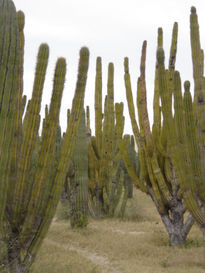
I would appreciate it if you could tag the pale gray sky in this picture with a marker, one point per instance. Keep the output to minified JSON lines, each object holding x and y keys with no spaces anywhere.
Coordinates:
{"x":111,"y":29}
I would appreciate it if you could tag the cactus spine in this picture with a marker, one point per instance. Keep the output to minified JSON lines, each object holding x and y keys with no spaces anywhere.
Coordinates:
{"x":28,"y":195}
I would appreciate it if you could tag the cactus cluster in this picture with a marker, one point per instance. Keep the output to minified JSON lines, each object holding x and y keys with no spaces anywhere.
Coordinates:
{"x":109,"y":184}
{"x":108,"y":179}
{"x":30,"y":188}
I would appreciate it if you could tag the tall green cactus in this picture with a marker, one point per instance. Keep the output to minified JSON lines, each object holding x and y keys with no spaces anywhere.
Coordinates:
{"x":8,"y":85}
{"x":29,"y":187}
{"x":79,"y":178}
{"x":157,"y":177}
{"x":185,"y":132}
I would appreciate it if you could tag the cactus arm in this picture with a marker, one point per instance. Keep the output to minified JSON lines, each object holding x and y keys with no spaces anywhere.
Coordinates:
{"x":156,"y":107}
{"x":8,"y":94}
{"x":180,"y":131}
{"x":173,"y":49}
{"x":131,"y":107}
{"x":196,"y":51}
{"x":160,"y":37}
{"x":142,"y":104}
{"x":192,"y":142}
{"x":47,"y":149}
{"x":199,"y":87}
{"x":18,"y":117}
{"x":172,"y":60}
{"x":30,"y":131}
{"x":108,"y":131}
{"x":157,"y":128}
{"x":137,"y":134}
{"x":98,"y":104}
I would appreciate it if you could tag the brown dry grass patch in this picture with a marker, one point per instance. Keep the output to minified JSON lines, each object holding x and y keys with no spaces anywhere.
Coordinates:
{"x":138,"y":243}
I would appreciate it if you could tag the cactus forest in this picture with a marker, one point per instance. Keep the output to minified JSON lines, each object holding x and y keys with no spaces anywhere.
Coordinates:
{"x":94,"y":175}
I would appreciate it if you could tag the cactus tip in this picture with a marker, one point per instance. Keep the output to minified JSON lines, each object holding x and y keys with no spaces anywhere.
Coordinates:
{"x":84,"y":51}
{"x":126,"y":64}
{"x":126,"y":60}
{"x":160,"y":30}
{"x":21,"y":20}
{"x":187,"y":86}
{"x":44,"y":46}
{"x":111,"y":66}
{"x":193,"y":10}
{"x":61,"y":61}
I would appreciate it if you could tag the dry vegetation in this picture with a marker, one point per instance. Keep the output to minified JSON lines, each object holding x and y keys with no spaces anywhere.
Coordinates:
{"x":138,"y":243}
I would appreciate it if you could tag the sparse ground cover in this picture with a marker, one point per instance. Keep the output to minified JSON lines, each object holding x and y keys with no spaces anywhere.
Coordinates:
{"x":139,"y":243}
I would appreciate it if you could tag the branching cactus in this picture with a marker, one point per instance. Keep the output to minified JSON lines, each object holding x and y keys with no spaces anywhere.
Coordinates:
{"x":105,"y":171}
{"x":185,"y":131}
{"x":157,"y":177}
{"x":28,"y":195}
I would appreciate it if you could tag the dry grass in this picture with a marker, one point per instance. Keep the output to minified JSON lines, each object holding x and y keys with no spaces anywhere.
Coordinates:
{"x":137,"y":244}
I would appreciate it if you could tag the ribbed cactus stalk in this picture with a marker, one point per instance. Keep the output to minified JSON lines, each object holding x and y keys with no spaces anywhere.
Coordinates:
{"x":9,"y":36}
{"x":33,"y":168}
{"x":129,"y":140}
{"x":157,"y":176}
{"x":79,"y":178}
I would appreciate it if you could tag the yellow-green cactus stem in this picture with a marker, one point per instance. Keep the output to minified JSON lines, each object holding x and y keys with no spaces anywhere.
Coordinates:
{"x":30,"y":131}
{"x":98,"y":104}
{"x":9,"y":36}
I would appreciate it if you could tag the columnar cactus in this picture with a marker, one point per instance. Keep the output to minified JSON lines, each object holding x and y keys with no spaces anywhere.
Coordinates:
{"x":185,"y":131}
{"x":157,"y":177}
{"x":78,"y":178}
{"x":29,"y":189}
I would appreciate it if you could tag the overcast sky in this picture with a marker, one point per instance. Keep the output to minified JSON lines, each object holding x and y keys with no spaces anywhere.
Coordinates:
{"x":112,"y":29}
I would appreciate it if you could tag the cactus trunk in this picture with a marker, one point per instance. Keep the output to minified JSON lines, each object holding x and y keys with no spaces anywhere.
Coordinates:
{"x":79,"y":178}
